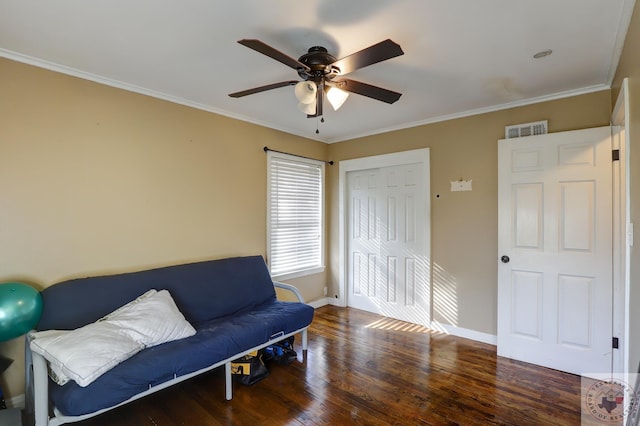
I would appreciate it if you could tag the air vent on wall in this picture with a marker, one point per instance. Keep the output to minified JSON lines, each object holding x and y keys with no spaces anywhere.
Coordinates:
{"x":526,"y":129}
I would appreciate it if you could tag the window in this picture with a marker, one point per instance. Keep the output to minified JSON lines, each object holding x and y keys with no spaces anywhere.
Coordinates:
{"x":295,"y":215}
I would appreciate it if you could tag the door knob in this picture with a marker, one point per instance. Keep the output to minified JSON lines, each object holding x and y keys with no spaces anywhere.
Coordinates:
{"x":504,"y":259}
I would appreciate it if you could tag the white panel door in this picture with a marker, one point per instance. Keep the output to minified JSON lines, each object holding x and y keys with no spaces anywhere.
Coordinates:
{"x":388,"y":270}
{"x":555,"y":250}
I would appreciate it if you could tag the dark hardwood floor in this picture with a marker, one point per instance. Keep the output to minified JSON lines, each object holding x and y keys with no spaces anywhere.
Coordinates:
{"x":365,"y":369}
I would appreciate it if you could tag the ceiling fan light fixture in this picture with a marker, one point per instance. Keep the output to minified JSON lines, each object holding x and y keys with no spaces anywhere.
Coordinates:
{"x":309,"y":109}
{"x":305,"y":92}
{"x":336,"y":97}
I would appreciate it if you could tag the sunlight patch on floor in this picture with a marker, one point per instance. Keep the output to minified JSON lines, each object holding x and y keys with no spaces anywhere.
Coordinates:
{"x":397,"y":325}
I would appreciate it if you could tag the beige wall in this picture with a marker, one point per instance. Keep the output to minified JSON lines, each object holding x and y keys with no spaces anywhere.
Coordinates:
{"x":97,"y":180}
{"x":629,"y":67}
{"x":464,"y":225}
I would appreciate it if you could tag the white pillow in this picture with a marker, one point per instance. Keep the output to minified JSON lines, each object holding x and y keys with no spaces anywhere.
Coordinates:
{"x":84,"y":354}
{"x":151,"y":319}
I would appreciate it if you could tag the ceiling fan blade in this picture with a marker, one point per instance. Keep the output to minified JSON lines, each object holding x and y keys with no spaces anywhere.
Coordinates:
{"x":265,"y":49}
{"x":379,"y":52}
{"x":263,"y":88}
{"x":364,"y":89}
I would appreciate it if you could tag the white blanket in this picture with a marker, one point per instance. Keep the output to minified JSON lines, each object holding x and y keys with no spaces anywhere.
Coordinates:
{"x":84,"y":354}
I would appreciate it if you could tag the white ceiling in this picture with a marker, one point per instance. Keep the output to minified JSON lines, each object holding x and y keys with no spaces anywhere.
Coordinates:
{"x":461,"y":56}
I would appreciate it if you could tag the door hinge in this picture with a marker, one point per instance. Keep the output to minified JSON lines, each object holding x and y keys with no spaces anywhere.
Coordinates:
{"x":615,"y":343}
{"x":615,"y":155}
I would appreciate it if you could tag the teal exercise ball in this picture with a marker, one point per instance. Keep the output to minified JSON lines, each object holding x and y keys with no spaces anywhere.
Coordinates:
{"x":20,"y":309}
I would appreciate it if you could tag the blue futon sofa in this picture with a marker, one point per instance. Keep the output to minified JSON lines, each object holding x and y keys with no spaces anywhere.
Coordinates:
{"x":231,"y":304}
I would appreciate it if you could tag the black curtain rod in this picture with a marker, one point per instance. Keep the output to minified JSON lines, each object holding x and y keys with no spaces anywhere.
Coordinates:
{"x":266,"y":148}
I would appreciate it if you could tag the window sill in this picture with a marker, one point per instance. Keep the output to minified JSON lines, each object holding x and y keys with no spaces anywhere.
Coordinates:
{"x":298,"y":274}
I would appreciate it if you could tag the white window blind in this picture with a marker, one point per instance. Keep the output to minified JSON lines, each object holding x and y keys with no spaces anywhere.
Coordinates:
{"x":295,"y":215}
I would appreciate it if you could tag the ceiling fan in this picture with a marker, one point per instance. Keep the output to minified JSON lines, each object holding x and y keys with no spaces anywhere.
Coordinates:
{"x":321,"y":75}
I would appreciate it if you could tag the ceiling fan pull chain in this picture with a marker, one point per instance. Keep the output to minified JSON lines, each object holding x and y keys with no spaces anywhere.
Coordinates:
{"x":317,"y":125}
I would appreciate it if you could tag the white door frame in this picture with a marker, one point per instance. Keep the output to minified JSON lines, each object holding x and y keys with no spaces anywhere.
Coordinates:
{"x":377,"y":161}
{"x":621,"y":218}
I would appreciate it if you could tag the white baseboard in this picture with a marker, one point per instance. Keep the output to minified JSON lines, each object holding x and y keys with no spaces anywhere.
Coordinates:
{"x":326,"y":301}
{"x":435,"y":325}
{"x":320,"y":302}
{"x":337,"y":302}
{"x":466,"y":333}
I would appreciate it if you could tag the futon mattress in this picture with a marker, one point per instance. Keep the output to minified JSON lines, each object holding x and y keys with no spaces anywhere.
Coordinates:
{"x":214,"y":341}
